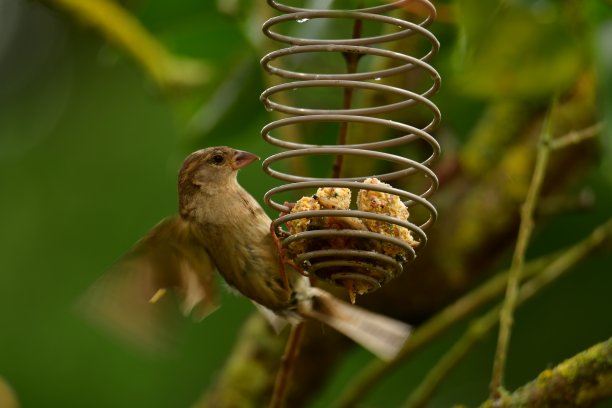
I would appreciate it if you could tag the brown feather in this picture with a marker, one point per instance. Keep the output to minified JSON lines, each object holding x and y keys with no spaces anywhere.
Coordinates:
{"x":169,"y":259}
{"x":222,"y":225}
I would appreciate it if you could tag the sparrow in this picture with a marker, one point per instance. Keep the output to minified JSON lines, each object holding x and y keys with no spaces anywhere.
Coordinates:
{"x":221,"y":227}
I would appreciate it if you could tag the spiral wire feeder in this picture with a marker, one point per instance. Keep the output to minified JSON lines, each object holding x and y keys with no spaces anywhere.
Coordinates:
{"x":369,"y":267}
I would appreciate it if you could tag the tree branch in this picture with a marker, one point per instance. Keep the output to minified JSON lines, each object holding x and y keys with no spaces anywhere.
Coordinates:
{"x":580,"y":381}
{"x":287,"y":363}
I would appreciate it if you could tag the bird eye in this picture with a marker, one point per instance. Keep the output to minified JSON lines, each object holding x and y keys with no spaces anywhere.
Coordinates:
{"x":217,"y":159}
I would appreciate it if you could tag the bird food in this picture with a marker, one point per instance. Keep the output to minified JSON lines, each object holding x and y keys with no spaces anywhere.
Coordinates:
{"x":362,"y":277}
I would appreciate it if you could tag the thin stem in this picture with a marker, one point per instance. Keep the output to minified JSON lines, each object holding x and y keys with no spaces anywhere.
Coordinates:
{"x":518,"y":259}
{"x":475,"y":332}
{"x":352,"y":61}
{"x":481,"y":326}
{"x":433,"y":328}
{"x":287,"y":364}
{"x":576,"y":136}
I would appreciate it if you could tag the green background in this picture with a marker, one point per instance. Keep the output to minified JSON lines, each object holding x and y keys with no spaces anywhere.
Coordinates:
{"x":89,"y":151}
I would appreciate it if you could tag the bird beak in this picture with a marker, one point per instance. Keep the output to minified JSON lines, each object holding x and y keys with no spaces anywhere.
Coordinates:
{"x":242,"y":159}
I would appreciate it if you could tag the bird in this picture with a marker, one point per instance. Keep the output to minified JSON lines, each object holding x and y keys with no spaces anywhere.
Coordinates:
{"x":221,"y":227}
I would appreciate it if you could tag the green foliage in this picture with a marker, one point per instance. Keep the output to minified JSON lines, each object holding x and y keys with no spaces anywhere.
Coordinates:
{"x":90,"y":148}
{"x":527,"y":51}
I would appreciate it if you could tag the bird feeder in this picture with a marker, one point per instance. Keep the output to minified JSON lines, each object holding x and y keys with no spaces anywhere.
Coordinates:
{"x":344,"y":84}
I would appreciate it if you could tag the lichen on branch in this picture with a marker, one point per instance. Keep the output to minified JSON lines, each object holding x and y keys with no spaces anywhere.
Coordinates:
{"x":580,"y":381}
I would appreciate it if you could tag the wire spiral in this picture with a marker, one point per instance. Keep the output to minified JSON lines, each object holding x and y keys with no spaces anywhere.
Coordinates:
{"x":358,"y":263}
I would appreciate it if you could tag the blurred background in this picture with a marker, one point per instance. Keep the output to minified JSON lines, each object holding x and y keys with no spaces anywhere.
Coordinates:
{"x":91,"y":140}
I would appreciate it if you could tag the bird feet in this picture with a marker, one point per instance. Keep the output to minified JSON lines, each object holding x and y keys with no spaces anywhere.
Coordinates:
{"x":282,"y":252}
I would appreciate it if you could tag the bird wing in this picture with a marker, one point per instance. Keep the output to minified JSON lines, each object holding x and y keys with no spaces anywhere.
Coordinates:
{"x":136,"y":298}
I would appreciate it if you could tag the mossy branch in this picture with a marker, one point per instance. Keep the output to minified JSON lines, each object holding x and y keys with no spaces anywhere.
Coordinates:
{"x":580,"y":381}
{"x":119,"y":27}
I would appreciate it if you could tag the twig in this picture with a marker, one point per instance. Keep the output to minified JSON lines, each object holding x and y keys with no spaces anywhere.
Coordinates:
{"x":433,"y":328}
{"x":476,"y":331}
{"x":576,"y":136}
{"x":352,"y":60}
{"x":480,"y":327}
{"x":452,"y":314}
{"x":287,"y":364}
{"x":580,"y":381}
{"x":518,"y":259}
{"x":119,"y":27}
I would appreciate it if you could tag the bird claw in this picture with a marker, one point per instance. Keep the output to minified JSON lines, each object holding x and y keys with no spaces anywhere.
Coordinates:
{"x":282,"y":257}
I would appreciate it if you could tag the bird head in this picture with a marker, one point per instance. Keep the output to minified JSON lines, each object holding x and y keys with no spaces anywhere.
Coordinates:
{"x":213,"y":165}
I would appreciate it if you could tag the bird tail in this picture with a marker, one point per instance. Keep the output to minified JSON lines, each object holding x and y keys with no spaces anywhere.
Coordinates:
{"x":379,"y":334}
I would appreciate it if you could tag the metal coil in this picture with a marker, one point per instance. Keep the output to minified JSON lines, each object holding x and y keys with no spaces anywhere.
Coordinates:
{"x":359,"y":264}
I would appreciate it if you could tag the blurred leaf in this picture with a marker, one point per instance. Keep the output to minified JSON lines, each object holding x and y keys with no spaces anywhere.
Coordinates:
{"x":511,"y":51}
{"x":7,"y":396}
{"x":120,"y":27}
